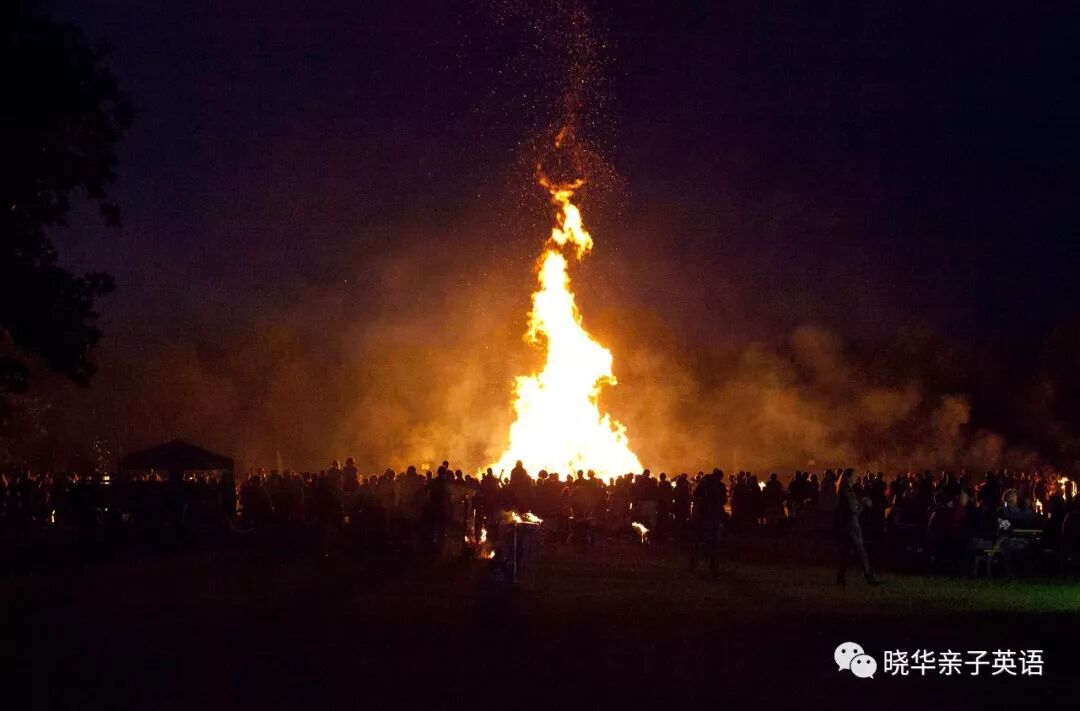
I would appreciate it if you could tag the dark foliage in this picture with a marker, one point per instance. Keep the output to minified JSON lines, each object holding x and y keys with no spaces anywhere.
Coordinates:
{"x":61,"y":116}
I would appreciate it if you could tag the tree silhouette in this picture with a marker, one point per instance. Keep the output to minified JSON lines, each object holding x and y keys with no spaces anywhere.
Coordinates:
{"x":61,"y":115}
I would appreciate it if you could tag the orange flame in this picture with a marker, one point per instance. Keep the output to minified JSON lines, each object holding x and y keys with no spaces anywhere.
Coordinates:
{"x":559,"y":426}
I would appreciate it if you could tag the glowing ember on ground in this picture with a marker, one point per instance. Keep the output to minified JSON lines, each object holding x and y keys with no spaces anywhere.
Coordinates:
{"x":559,"y":426}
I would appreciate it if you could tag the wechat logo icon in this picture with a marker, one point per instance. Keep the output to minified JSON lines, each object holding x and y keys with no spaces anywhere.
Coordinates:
{"x":850,"y":656}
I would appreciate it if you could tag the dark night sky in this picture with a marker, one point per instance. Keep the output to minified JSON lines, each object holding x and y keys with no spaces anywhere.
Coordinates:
{"x":787,"y":162}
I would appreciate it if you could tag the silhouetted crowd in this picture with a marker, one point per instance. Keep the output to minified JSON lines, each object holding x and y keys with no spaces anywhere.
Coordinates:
{"x":942,"y":521}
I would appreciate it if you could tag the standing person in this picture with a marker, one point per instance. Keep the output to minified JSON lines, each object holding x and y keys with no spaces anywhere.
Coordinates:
{"x":227,"y":491}
{"x":848,"y":530}
{"x":682,"y":503}
{"x":645,"y":495}
{"x":774,"y":496}
{"x":350,"y":485}
{"x":707,"y":519}
{"x":437,"y":511}
{"x":487,"y":504}
{"x":665,"y":497}
{"x":520,"y":489}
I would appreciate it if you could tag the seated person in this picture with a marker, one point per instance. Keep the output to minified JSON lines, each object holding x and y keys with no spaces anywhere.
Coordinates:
{"x":984,"y":527}
{"x":1014,"y":513}
{"x":1027,"y":505}
{"x":962,"y":523}
{"x":1011,"y":516}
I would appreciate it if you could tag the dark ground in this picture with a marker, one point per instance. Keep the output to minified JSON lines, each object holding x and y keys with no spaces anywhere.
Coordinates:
{"x":246,"y":625}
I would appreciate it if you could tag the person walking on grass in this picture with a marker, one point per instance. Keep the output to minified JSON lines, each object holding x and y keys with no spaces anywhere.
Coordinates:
{"x":849,"y":531}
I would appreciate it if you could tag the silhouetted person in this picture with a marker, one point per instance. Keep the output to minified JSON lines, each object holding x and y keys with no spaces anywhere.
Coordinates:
{"x":962,"y":526}
{"x":848,"y":529}
{"x":487,"y":503}
{"x":774,"y":495}
{"x":350,"y":484}
{"x":707,"y":519}
{"x":665,"y":495}
{"x":227,"y":492}
{"x":521,"y":488}
{"x":644,"y":494}
{"x":438,"y":509}
{"x":681,"y":506}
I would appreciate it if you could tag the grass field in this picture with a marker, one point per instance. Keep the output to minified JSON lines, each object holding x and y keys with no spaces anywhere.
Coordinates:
{"x":247,"y":625}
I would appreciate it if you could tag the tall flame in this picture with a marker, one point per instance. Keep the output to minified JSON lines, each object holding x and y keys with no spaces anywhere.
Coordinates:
{"x":559,"y":426}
